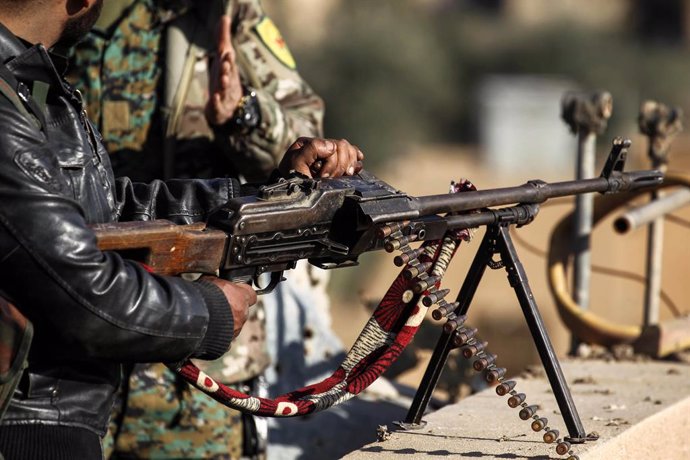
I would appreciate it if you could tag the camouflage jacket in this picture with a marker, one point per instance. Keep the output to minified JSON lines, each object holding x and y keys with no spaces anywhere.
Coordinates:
{"x":289,"y":107}
{"x":158,"y":59}
{"x":145,"y":79}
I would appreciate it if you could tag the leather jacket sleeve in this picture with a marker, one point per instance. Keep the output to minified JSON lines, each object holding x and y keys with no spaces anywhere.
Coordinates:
{"x":82,"y":301}
{"x":183,"y":201}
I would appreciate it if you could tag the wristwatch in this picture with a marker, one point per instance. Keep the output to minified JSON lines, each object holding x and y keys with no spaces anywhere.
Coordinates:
{"x":247,"y":115}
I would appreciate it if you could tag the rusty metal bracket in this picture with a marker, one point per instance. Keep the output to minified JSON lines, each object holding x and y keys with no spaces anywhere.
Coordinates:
{"x":586,"y":112}
{"x":660,"y":123}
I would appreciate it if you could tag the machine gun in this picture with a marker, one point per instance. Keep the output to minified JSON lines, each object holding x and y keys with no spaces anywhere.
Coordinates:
{"x":331,"y":223}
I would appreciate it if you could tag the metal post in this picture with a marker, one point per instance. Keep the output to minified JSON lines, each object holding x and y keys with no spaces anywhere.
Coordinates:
{"x":587,"y":115}
{"x":584,"y":207}
{"x":660,"y":124}
{"x":655,"y":248}
{"x":643,"y":215}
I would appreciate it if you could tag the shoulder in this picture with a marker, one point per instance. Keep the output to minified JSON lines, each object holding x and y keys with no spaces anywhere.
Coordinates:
{"x":20,"y":130}
{"x":262,"y":41}
{"x":27,"y":159}
{"x":16,"y":121}
{"x":13,"y":105}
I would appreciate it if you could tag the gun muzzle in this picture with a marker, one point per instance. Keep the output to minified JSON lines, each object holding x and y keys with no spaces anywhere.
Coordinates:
{"x":644,"y":179}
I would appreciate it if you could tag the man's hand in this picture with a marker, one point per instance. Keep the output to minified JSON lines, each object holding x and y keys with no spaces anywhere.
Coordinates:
{"x":240,"y":296}
{"x":322,"y":158}
{"x":226,"y":88}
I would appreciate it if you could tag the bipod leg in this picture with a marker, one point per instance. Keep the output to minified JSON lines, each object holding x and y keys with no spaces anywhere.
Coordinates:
{"x":413,"y":420}
{"x":518,"y":281}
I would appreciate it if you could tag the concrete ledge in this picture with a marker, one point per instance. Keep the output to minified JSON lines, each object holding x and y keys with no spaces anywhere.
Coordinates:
{"x":640,"y":410}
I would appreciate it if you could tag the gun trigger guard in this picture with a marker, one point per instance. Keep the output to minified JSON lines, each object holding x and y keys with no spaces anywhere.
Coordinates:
{"x":276,"y":277}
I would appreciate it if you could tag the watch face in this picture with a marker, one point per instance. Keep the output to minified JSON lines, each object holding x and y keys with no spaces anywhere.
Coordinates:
{"x":251,"y":112}
{"x":247,"y":115}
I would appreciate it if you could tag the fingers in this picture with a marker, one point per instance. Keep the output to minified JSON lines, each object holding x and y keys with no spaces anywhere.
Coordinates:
{"x":299,"y":143}
{"x":334,"y":165}
{"x":246,"y":293}
{"x":240,"y":296}
{"x":321,"y":149}
{"x":224,"y":39}
{"x":303,"y":153}
{"x":225,"y":72}
{"x":226,"y":55}
{"x":317,"y":157}
{"x":225,"y":52}
{"x":345,"y":160}
{"x":224,"y":79}
{"x":359,"y":166}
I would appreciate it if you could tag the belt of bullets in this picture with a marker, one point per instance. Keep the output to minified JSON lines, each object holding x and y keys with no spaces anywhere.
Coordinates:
{"x":427,"y":279}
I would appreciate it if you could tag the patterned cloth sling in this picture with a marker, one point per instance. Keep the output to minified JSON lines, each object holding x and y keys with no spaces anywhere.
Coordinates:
{"x":392,"y":326}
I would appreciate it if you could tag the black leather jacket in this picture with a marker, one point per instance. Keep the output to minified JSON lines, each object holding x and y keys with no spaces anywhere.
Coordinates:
{"x":91,"y":310}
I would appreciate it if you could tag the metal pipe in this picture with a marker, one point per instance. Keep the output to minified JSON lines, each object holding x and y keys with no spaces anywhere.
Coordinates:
{"x":660,"y":124}
{"x":586,"y":150}
{"x":642,"y":215}
{"x":587,"y":115}
{"x":655,"y":249}
{"x":517,"y":215}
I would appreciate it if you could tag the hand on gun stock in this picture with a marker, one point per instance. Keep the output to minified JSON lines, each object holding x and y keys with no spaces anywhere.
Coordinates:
{"x":240,"y":296}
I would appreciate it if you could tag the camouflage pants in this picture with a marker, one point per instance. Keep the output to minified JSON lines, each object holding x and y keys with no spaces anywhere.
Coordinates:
{"x":161,"y":417}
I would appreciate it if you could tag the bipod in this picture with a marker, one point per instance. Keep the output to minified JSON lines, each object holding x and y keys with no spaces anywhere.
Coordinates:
{"x":497,"y":241}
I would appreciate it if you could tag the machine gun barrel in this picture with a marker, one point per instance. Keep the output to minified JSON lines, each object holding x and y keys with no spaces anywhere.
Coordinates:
{"x":534,"y":192}
{"x":611,"y":180}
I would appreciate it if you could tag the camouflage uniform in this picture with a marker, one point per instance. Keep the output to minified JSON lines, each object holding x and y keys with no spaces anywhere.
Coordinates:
{"x":144,"y":72}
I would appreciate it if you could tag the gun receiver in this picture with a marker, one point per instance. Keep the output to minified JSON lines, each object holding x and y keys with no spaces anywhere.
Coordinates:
{"x":331,"y":222}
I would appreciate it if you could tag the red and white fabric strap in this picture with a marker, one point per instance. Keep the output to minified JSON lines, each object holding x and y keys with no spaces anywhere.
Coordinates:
{"x":391,"y":327}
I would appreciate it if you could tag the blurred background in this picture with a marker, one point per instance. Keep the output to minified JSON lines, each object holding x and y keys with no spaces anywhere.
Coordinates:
{"x":400,"y":72}
{"x":435,"y":90}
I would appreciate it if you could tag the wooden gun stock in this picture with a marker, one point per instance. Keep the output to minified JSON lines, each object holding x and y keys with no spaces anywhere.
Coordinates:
{"x":167,"y":248}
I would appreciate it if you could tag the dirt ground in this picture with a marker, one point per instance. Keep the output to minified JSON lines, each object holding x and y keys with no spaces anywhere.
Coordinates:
{"x":495,"y":310}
